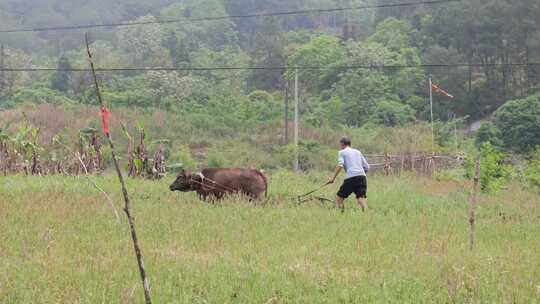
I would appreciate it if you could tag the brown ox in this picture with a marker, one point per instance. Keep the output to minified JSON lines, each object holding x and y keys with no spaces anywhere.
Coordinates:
{"x":216,"y":183}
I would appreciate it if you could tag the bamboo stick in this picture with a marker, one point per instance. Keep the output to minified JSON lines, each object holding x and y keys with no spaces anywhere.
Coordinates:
{"x":127,"y":208}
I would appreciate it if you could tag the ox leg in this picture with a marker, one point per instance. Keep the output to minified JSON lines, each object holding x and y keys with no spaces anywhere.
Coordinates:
{"x":203,"y":196}
{"x":253,"y":197}
{"x":220,"y":196}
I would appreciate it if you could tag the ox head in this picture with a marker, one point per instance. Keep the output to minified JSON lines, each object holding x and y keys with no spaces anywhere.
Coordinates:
{"x":185,"y":182}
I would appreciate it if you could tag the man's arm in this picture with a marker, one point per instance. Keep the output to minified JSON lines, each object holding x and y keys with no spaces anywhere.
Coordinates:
{"x":340,"y":166}
{"x":365,"y":164}
{"x":333,"y":178}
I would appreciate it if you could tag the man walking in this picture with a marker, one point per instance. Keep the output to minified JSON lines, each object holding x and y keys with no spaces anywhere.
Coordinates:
{"x":356,"y":168}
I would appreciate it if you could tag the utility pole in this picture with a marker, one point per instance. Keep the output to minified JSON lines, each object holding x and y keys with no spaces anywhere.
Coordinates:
{"x":296,"y":120}
{"x":432,"y":120}
{"x":287,"y":112}
{"x":456,"y":134}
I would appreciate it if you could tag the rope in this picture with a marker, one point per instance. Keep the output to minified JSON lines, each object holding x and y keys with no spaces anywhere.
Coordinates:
{"x":301,"y":198}
{"x":313,"y":191}
{"x":214,"y":186}
{"x":319,"y":198}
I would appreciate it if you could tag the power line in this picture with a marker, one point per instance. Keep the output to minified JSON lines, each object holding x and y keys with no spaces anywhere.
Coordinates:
{"x":217,"y":18}
{"x":236,"y":68}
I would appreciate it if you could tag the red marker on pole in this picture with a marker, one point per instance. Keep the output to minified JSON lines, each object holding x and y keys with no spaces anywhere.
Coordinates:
{"x":105,"y":117}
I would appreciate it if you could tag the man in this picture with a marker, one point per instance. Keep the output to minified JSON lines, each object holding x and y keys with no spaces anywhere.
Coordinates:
{"x":356,"y":167}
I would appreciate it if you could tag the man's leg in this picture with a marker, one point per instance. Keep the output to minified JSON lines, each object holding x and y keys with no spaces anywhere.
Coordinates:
{"x":361,"y":193}
{"x":340,"y":203}
{"x":362,"y":201}
{"x":342,"y":194}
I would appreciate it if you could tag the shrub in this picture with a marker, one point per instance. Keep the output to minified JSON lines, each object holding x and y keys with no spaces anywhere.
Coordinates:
{"x":445,"y":132}
{"x":519,"y":123}
{"x":328,"y":112}
{"x":41,"y":95}
{"x":183,"y":156}
{"x":532,"y":173}
{"x":261,"y":96}
{"x":216,"y":160}
{"x":314,"y":156}
{"x":489,"y":133}
{"x":311,"y":156}
{"x":493,"y":173}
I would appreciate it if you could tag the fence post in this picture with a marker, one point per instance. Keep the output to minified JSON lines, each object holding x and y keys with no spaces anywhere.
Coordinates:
{"x":474,"y":198}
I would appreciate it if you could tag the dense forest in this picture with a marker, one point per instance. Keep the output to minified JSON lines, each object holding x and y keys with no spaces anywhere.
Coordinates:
{"x":484,"y":52}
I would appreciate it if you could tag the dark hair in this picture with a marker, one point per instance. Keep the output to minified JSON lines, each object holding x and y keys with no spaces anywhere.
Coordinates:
{"x":346,"y":141}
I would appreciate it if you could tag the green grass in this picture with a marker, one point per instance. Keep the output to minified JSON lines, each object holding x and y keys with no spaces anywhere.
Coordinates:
{"x":60,"y":243}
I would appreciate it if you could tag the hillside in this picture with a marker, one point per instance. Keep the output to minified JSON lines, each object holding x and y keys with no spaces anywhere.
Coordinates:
{"x":420,"y":36}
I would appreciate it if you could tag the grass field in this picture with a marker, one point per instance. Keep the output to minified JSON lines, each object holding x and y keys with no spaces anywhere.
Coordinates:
{"x":60,"y":243}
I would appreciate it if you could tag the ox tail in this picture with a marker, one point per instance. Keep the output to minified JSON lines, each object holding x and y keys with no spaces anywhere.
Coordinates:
{"x":265,"y":182}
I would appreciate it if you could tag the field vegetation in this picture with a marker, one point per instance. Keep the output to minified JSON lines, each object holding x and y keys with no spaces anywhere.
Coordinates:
{"x":225,"y":100}
{"x":61,"y":243}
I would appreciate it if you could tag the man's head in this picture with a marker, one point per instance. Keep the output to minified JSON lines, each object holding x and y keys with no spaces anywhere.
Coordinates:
{"x":345,"y":142}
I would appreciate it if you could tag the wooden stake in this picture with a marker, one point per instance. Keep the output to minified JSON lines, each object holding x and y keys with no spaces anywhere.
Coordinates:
{"x":127,"y":208}
{"x":474,"y":197}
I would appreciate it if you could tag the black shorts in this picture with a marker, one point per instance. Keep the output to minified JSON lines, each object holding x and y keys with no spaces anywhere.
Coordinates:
{"x":356,"y":185}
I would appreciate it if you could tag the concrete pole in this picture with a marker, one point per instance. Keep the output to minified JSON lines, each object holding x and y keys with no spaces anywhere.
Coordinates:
{"x":2,"y":73}
{"x":432,"y":120}
{"x":287,"y":112}
{"x":456,"y":134}
{"x":296,"y":164}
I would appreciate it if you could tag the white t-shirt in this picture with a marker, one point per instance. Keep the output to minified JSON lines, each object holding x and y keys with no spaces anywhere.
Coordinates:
{"x":354,"y":163}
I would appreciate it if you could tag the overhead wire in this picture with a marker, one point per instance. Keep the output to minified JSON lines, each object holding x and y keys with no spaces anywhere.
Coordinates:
{"x":229,"y":68}
{"x":225,"y":17}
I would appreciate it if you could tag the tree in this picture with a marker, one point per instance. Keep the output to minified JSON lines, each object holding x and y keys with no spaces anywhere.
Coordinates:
{"x":178,"y":50}
{"x":325,"y":112}
{"x":391,"y":114}
{"x":519,"y":122}
{"x":488,"y":32}
{"x":268,"y":52}
{"x":233,"y":80}
{"x":61,"y":80}
{"x":394,"y":34}
{"x":323,"y":51}
{"x":453,"y":81}
{"x":361,"y":89}
{"x":215,"y":35}
{"x":145,"y":43}
{"x":170,"y":86}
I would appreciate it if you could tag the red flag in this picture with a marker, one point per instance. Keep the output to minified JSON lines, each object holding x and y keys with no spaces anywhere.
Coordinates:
{"x":436,"y":89}
{"x":105,"y":117}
